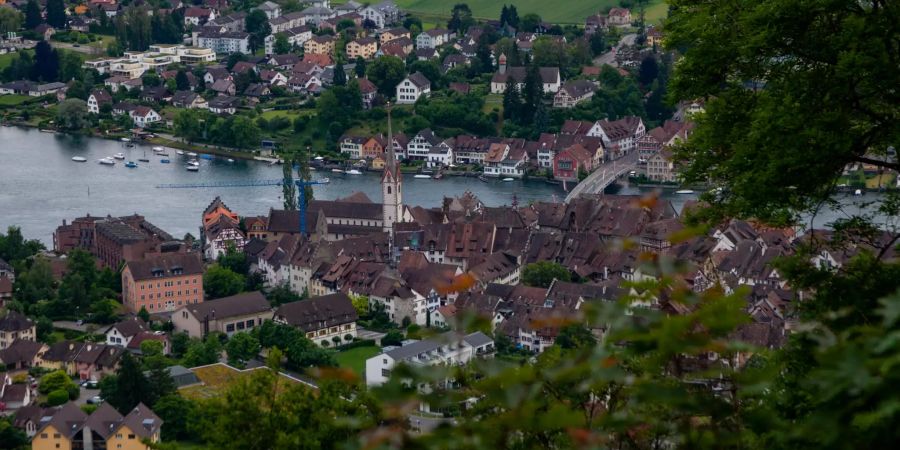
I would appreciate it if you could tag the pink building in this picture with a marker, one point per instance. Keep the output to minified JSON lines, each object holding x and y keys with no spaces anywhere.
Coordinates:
{"x":163,"y":283}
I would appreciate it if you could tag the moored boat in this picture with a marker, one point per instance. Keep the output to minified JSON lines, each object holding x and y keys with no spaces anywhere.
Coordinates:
{"x":423,"y":176}
{"x":354,"y":172}
{"x":79,"y":159}
{"x":119,"y":156}
{"x":164,"y":161}
{"x":684,"y":191}
{"x":179,"y":152}
{"x":143,"y":160}
{"x":191,"y":154}
{"x":130,"y":164}
{"x":191,"y":168}
{"x":107,"y":161}
{"x":509,"y":179}
{"x":337,"y":170}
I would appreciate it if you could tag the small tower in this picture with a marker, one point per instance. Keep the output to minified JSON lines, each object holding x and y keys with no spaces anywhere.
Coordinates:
{"x":391,"y":184}
{"x":501,"y":63}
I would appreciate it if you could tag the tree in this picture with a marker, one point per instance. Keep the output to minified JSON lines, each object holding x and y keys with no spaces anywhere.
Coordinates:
{"x":460,"y":18}
{"x":56,"y":381}
{"x":144,"y":315}
{"x":32,"y":14}
{"x":187,"y":125}
{"x":220,"y":282}
{"x":257,"y":24}
{"x":288,"y":188}
{"x":542,"y":274}
{"x":282,"y":45}
{"x":282,"y":294}
{"x":360,"y":304}
{"x":56,"y":14}
{"x":151,"y":79}
{"x":575,"y":336}
{"x":245,"y":133}
{"x":10,"y":436}
{"x":205,"y":352}
{"x":234,"y":260}
{"x":392,"y":338}
{"x":14,"y":248}
{"x":76,"y":90}
{"x":777,"y":81}
{"x":649,"y":70}
{"x":340,"y":77}
{"x":131,"y":386}
{"x":512,"y":103}
{"x":58,"y":397}
{"x":46,"y":63}
{"x":177,"y":412}
{"x":598,"y":43}
{"x":182,"y":82}
{"x":360,"y":67}
{"x":241,"y":347}
{"x":509,"y":16}
{"x":530,"y":22}
{"x":179,"y":343}
{"x":10,"y":20}
{"x":72,"y":114}
{"x":386,"y":73}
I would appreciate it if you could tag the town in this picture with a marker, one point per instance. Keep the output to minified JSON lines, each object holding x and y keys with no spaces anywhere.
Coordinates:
{"x":323,"y":320}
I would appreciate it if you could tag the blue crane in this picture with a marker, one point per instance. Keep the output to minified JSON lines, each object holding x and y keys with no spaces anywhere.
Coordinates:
{"x":301,"y":185}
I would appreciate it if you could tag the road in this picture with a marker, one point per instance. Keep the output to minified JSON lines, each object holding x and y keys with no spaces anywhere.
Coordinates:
{"x":604,"y":175}
{"x":81,"y":48}
{"x":610,"y":56}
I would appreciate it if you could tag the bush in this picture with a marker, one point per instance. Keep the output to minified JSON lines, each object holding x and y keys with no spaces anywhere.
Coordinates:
{"x":355,"y":344}
{"x":88,"y":408}
{"x":74,"y":392}
{"x":57,"y":397}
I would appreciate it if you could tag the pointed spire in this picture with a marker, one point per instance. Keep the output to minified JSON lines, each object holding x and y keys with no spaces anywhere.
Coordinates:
{"x":391,"y":159}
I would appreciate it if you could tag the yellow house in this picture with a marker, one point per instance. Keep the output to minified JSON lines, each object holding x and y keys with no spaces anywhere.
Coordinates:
{"x":394,"y":33}
{"x":362,"y":47}
{"x":320,"y":45}
{"x":70,"y":428}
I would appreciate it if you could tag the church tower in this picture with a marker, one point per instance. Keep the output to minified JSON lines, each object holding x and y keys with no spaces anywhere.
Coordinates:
{"x":391,"y":183}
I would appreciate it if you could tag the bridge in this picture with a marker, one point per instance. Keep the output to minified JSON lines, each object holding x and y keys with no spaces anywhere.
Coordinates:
{"x":605,"y":175}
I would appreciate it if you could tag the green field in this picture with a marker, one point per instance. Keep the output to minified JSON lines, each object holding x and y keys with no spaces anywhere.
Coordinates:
{"x":565,"y":11}
{"x":355,"y":358}
{"x":13,"y":100}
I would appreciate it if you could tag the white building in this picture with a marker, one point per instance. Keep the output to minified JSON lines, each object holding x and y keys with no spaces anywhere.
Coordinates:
{"x":412,"y":87}
{"x":352,"y":146}
{"x":433,"y":38}
{"x":382,"y":14}
{"x":420,"y":146}
{"x":446,"y":349}
{"x":296,"y":36}
{"x":272,"y":10}
{"x":144,"y":116}
{"x":228,"y":42}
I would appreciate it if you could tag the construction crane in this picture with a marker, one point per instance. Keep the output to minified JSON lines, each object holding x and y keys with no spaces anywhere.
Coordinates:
{"x":301,"y":188}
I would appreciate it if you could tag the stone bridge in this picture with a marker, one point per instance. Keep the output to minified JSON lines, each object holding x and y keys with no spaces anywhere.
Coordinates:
{"x":605,"y":175}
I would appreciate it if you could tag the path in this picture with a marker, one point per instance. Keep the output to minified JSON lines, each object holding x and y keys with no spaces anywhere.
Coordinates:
{"x":610,"y":56}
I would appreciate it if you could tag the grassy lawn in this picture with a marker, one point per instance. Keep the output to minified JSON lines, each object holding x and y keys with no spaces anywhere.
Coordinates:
{"x":217,"y":378}
{"x":355,"y":358}
{"x":290,"y":114}
{"x":13,"y":100}
{"x":885,"y":179}
{"x":8,"y":58}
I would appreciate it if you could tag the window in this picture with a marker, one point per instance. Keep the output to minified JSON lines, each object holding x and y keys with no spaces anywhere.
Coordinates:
{"x":44,"y":435}
{"x":240,"y":325}
{"x":250,"y":323}
{"x":130,"y":436}
{"x":229,"y":328}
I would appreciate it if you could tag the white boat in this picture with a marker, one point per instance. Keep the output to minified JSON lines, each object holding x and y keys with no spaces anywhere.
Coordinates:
{"x":354,"y":172}
{"x":323,"y":181}
{"x":319,"y":158}
{"x":684,"y":191}
{"x":107,"y":161}
{"x":230,"y":160}
{"x":119,"y":156}
{"x":158,"y":149}
{"x":192,"y":154}
{"x":421,"y":176}
{"x":337,"y":170}
{"x":79,"y":159}
{"x":509,"y":179}
{"x":179,"y":152}
{"x":191,"y":168}
{"x":126,"y":140}
{"x":857,"y":192}
{"x":194,"y":163}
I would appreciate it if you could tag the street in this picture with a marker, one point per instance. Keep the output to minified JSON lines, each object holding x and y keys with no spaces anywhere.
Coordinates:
{"x":610,"y":56}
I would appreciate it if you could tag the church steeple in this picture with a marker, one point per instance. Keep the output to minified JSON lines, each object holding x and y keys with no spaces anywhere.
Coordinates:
{"x":391,"y":183}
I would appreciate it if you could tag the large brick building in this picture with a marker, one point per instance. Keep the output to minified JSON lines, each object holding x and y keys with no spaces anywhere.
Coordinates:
{"x":115,"y":240}
{"x":163,"y":282}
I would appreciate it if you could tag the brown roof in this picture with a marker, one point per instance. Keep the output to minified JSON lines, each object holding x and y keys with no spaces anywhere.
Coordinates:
{"x":20,"y":351}
{"x":166,"y":265}
{"x":68,"y":420}
{"x":318,"y":312}
{"x":15,"y":321}
{"x":104,"y":420}
{"x":130,"y":327}
{"x":142,"y":421}
{"x":234,"y":306}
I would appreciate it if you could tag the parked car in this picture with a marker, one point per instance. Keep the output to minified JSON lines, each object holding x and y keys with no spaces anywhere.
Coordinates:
{"x":90,"y":384}
{"x":95,"y":400}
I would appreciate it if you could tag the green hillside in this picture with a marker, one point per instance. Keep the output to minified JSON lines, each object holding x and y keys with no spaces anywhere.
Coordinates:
{"x":560,"y":11}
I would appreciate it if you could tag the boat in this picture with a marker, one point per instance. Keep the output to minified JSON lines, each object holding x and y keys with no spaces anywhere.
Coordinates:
{"x":858,"y":192}
{"x":319,"y":158}
{"x":143,"y":160}
{"x":209,"y":157}
{"x":158,"y":149}
{"x":119,"y":156}
{"x":79,"y":159}
{"x":179,"y":152}
{"x":684,"y":191}
{"x":482,"y":179}
{"x":107,"y":161}
{"x":194,"y":163}
{"x":191,"y":154}
{"x":164,"y":161}
{"x":509,"y":179}
{"x":337,"y":170}
{"x":354,"y":172}
{"x":129,"y":145}
{"x":125,"y":140}
{"x":323,"y":181}
{"x":421,"y":176}
{"x":230,"y":160}
{"x":130,"y":164}
{"x":438,"y":175}
{"x":192,"y":168}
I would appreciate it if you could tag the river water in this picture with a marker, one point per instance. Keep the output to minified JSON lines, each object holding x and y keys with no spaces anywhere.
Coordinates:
{"x":40,"y":185}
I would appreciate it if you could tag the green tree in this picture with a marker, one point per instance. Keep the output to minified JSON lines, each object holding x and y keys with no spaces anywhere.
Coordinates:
{"x":240,"y":348}
{"x":10,"y":20}
{"x":57,"y":397}
{"x":10,"y":436}
{"x":282,"y":294}
{"x":56,"y":14}
{"x":648,"y":70}
{"x":542,"y":273}
{"x":14,"y":248}
{"x":360,"y":304}
{"x":46,"y":63}
{"x":55,"y":381}
{"x":187,"y":125}
{"x":777,"y":81}
{"x":177,"y":413}
{"x":245,"y":133}
{"x":131,"y":386}
{"x":257,"y":24}
{"x":575,"y":336}
{"x":205,"y":352}
{"x":460,"y":18}
{"x":32,"y":14}
{"x":235,"y":260}
{"x":386,"y":73}
{"x":182,"y":83}
{"x":179,"y":344}
{"x":220,"y":282}
{"x":340,"y":77}
{"x":360,"y":67}
{"x":144,"y":315}
{"x":72,"y":114}
{"x":282,"y":45}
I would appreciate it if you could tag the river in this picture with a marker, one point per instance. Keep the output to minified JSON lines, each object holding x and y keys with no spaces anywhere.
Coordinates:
{"x":40,"y":185}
